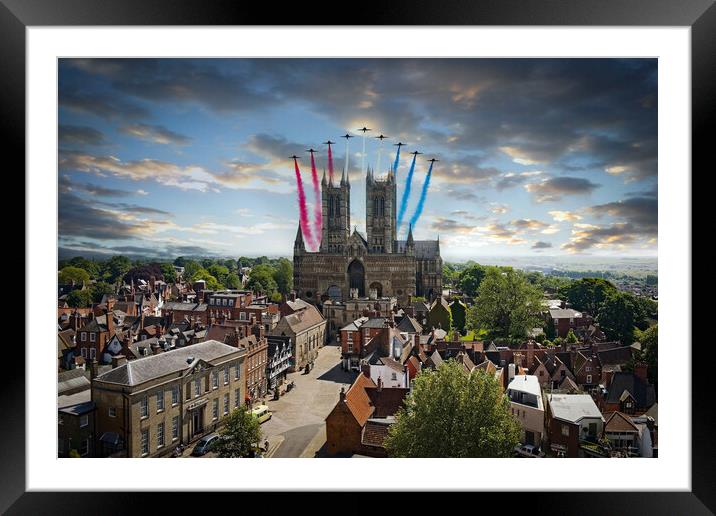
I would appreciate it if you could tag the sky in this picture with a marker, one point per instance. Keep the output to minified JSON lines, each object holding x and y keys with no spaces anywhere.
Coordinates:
{"x":537,"y":157}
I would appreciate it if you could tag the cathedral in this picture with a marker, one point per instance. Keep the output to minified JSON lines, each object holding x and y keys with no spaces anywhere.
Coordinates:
{"x":349,"y":265}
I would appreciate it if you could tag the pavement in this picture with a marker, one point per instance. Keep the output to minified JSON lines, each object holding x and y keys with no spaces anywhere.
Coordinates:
{"x":297,"y":427}
{"x":299,"y":415}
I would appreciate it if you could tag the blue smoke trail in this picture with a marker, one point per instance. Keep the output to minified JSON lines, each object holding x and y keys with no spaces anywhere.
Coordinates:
{"x":397,"y":159}
{"x":423,"y":194}
{"x":406,"y":192}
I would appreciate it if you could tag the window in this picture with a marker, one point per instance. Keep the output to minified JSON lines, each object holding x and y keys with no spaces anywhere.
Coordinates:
{"x":226,"y":375}
{"x":226,"y":403}
{"x":144,"y":442}
{"x":93,"y":337}
{"x":93,"y":352}
{"x":84,"y":447}
{"x":587,"y":369}
{"x":175,"y":428}
{"x":143,"y":407}
{"x":215,"y":409}
{"x":160,"y":435}
{"x":242,"y":316}
{"x":215,"y":379}
{"x":589,"y":378}
{"x":237,"y":372}
{"x":112,"y":412}
{"x":84,"y":351}
{"x":175,"y":395}
{"x":197,"y":387}
{"x":237,"y":398}
{"x":83,"y":337}
{"x":394,"y":376}
{"x":160,"y":401}
{"x":188,"y":391}
{"x":565,"y":430}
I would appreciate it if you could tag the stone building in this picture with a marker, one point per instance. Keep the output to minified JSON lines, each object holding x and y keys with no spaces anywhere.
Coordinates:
{"x":307,"y":329}
{"x":146,"y":407}
{"x":349,"y":265}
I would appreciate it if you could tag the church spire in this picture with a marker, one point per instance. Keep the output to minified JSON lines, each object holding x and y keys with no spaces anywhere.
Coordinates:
{"x":323,"y":181}
{"x":298,"y":243}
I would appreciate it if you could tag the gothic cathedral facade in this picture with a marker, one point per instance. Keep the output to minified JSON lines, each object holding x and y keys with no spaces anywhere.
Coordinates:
{"x":348,"y":265}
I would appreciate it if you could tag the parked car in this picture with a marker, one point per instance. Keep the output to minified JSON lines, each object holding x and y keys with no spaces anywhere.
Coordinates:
{"x":528,"y":450}
{"x":261,"y":412}
{"x":204,"y":445}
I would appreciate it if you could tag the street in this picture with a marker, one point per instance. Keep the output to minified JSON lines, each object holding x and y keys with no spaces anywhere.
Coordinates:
{"x":298,"y":420}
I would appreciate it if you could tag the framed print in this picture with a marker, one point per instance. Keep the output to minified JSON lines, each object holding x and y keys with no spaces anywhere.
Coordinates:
{"x":431,"y":238}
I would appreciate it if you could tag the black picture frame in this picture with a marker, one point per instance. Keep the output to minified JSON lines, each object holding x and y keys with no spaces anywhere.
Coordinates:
{"x":700,"y":15}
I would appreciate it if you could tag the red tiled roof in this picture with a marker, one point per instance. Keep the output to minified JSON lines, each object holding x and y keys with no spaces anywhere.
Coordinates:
{"x":618,"y":422}
{"x":357,"y":399}
{"x":374,"y":434}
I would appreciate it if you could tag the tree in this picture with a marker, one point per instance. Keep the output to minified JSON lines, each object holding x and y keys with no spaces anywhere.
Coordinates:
{"x":439,"y":315}
{"x":115,"y":268}
{"x":232,"y":280}
{"x":283,"y":276}
{"x":170,"y":275}
{"x":211,"y":282}
{"x":145,"y":271}
{"x":470,"y":278}
{"x":649,"y":353}
{"x":73,"y":276}
{"x":191,"y":267}
{"x":99,"y":289}
{"x":261,"y":279}
{"x":452,"y":413}
{"x":458,"y":310}
{"x":588,"y":294}
{"x":618,"y":316}
{"x":506,"y":305}
{"x":220,"y":272}
{"x":79,"y":299}
{"x":450,"y":275}
{"x":571,"y":337}
{"x":239,"y":436}
{"x":83,"y":263}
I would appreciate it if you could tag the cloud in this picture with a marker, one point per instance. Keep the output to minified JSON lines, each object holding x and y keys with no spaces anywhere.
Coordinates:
{"x":512,"y":179}
{"x":555,"y":188}
{"x":534,"y":225}
{"x":541,"y":245}
{"x":155,"y":134}
{"x":65,"y":184}
{"x":565,"y":216}
{"x":110,"y":107}
{"x":499,"y":209}
{"x":640,"y":212}
{"x":450,"y":225}
{"x":80,"y":135}
{"x":587,"y":236}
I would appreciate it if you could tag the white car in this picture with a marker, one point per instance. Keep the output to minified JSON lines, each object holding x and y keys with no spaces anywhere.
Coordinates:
{"x":527,"y":450}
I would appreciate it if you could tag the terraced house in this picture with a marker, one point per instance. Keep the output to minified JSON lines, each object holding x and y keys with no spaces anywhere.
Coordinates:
{"x":146,"y":407}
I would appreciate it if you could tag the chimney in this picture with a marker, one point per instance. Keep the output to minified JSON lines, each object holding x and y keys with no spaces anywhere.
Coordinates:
{"x":292,"y":296}
{"x":640,"y":371}
{"x":110,"y":322}
{"x":258,"y":330}
{"x":530,"y":353}
{"x":608,"y":375}
{"x":380,"y":384}
{"x":141,"y":320}
{"x":110,"y":303}
{"x":156,"y":348}
{"x":342,"y":394}
{"x":365,"y":369}
{"x":94,"y":369}
{"x":118,"y":360}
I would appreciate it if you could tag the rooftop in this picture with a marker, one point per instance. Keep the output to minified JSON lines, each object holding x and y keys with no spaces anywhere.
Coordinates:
{"x":573,"y":407}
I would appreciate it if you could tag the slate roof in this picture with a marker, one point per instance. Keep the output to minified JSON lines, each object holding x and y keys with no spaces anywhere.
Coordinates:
{"x":137,"y":372}
{"x":615,"y":356}
{"x":375,"y":431}
{"x":72,"y":381}
{"x":618,"y":422}
{"x":564,"y":313}
{"x":375,"y":323}
{"x":76,"y":404}
{"x":642,"y":392}
{"x":187,"y":307}
{"x":573,"y":407}
{"x":424,"y":249}
{"x":304,"y":319}
{"x":409,"y":325}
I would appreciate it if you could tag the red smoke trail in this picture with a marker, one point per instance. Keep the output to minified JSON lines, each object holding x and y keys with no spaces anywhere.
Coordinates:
{"x":330,"y":165}
{"x":317,"y":207}
{"x":303,"y":211}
